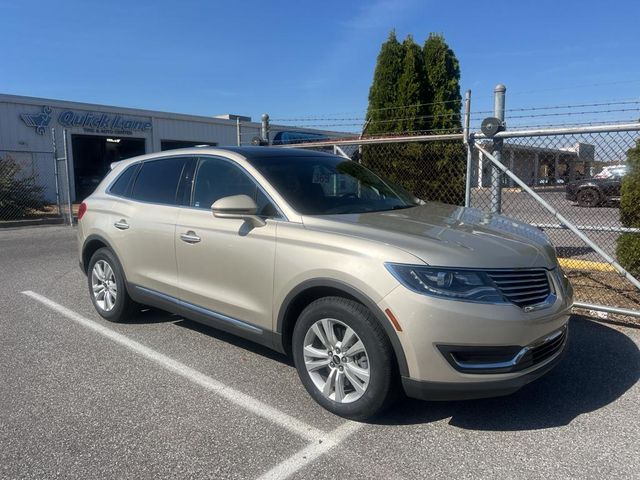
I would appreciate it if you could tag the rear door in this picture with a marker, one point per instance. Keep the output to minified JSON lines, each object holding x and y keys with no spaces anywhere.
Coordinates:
{"x":144,"y":223}
{"x":225,"y":266}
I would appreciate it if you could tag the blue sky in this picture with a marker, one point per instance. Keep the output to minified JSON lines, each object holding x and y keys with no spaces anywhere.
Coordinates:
{"x":299,"y":59}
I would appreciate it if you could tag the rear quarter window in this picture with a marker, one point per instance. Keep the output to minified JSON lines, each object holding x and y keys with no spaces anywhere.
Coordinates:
{"x":121,"y":186}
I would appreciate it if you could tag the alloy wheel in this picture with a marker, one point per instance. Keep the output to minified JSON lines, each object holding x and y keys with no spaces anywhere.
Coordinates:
{"x":103,"y":285}
{"x":336,"y":360}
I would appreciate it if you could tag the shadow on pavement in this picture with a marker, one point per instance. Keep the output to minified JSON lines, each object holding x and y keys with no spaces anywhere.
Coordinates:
{"x":235,"y":340}
{"x":599,"y":366}
{"x":152,"y":315}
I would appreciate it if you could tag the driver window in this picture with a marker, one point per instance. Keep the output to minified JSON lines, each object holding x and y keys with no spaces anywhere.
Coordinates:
{"x":217,"y":178}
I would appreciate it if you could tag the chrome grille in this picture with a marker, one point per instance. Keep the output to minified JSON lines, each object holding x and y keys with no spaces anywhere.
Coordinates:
{"x":522,"y":287}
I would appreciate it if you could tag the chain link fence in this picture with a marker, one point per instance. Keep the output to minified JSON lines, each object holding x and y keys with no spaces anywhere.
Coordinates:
{"x":27,"y":187}
{"x":563,"y":180}
{"x":577,"y":174}
{"x":34,"y":187}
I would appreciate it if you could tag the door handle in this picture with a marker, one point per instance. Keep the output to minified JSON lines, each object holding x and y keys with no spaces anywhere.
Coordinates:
{"x":121,"y":225}
{"x":189,"y":237}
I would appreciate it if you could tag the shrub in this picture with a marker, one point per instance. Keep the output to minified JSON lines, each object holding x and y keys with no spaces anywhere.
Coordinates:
{"x":628,"y":252}
{"x":19,"y":194}
{"x":628,"y":245}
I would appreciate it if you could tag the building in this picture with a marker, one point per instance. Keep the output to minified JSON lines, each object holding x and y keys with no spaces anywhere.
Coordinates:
{"x":87,"y":138}
{"x":536,"y":165}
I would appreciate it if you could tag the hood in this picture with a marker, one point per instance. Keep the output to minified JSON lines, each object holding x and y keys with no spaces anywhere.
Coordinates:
{"x":447,"y":235}
{"x":593,"y":181}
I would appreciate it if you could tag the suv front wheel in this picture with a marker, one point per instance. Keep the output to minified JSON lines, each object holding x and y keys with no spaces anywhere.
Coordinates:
{"x":344,"y":358}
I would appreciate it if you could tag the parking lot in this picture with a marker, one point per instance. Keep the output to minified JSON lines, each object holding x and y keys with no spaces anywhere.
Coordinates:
{"x":165,"y":397}
{"x":522,"y":206}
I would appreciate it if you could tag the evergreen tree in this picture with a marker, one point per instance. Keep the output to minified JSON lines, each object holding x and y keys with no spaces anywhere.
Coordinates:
{"x":411,"y":109}
{"x":417,"y":89}
{"x":383,"y":91}
{"x":445,"y":181}
{"x":443,"y":75}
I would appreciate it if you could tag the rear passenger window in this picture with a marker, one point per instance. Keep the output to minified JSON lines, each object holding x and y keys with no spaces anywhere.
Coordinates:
{"x":121,"y":185}
{"x":158,"y":181}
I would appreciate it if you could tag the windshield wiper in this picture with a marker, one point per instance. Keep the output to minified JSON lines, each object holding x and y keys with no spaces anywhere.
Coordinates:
{"x":401,"y":207}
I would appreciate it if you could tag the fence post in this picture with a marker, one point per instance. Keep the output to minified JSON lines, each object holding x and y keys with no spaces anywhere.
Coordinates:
{"x":68,"y":175}
{"x":264,"y":132}
{"x":55,"y":170}
{"x":468,"y":141}
{"x":496,"y":174}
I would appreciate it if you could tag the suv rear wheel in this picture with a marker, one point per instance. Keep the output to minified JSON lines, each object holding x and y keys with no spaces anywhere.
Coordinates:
{"x":107,"y":287}
{"x":588,"y":197}
{"x":344,"y":358}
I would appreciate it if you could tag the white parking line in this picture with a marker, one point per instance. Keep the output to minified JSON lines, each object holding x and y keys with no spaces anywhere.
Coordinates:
{"x":307,"y":455}
{"x":234,"y":396}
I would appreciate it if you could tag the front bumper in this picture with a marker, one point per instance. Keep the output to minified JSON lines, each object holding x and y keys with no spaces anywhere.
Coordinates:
{"x":430,"y":323}
{"x":438,"y":391}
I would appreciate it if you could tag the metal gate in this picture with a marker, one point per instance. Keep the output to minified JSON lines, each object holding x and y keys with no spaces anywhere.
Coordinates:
{"x":526,"y":175}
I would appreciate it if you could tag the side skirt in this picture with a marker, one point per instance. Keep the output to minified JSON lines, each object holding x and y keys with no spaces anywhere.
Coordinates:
{"x":248,"y":331}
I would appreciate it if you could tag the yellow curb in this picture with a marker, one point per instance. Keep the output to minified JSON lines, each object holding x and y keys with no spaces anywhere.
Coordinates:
{"x":573,"y":264}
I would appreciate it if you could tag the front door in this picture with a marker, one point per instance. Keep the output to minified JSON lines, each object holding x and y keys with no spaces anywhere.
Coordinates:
{"x":225,"y":266}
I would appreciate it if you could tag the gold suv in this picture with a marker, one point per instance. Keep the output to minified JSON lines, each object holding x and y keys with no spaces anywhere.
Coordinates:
{"x":371,"y":290}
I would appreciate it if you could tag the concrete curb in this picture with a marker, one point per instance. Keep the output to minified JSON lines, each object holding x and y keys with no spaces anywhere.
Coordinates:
{"x":575,"y":264}
{"x":31,"y":222}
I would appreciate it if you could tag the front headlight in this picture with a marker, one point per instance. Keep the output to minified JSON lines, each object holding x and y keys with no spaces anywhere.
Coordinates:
{"x":451,"y":283}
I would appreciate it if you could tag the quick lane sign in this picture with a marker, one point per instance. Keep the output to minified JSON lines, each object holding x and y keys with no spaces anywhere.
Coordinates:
{"x":91,"y":122}
{"x":101,"y":121}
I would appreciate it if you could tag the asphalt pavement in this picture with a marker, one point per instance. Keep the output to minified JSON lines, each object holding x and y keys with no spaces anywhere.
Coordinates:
{"x":164,"y":397}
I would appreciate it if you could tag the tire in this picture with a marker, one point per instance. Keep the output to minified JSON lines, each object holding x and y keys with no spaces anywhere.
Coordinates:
{"x":588,"y":197}
{"x":350,"y":393}
{"x":113,"y":287}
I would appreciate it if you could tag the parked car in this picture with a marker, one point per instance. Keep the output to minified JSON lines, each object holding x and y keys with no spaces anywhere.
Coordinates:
{"x":371,"y":290}
{"x":602,"y":188}
{"x":611,"y":171}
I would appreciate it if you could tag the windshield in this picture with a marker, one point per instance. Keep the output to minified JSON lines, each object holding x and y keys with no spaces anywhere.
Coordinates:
{"x":319,"y":185}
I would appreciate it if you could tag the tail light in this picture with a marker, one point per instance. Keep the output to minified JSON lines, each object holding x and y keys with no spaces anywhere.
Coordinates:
{"x":82,"y":210}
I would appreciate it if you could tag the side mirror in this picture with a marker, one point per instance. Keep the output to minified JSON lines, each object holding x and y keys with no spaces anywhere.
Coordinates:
{"x":238,"y":206}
